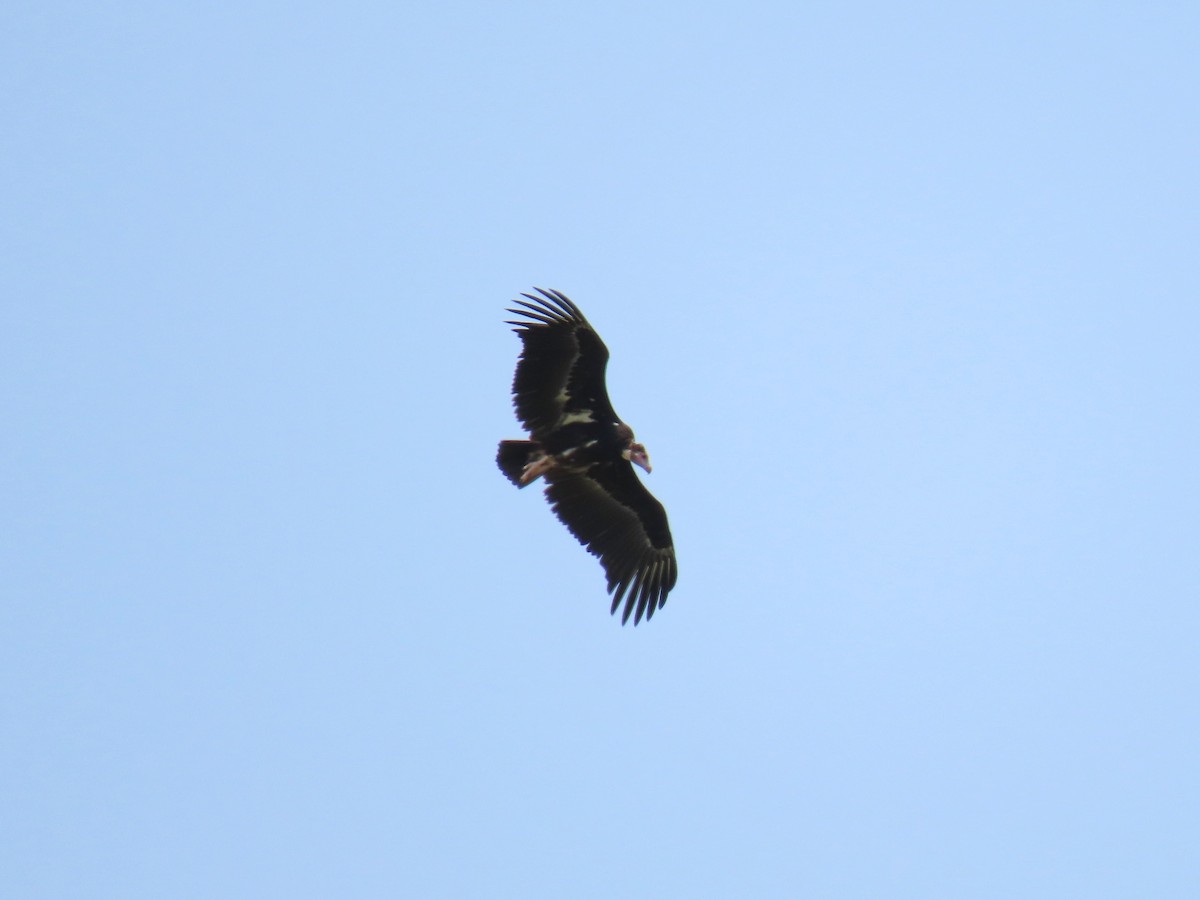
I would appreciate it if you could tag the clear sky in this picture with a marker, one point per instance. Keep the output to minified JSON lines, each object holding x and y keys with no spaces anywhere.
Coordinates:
{"x":902,"y":298}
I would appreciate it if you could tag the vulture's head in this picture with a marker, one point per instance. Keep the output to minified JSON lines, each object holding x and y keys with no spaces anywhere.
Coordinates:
{"x":633,"y":451}
{"x":636,"y":454}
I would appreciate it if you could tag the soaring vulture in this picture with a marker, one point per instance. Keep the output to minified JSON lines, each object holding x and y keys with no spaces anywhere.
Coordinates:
{"x":586,"y":454}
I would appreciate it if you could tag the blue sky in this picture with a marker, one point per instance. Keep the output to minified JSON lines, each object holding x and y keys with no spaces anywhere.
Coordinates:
{"x":903,"y":302}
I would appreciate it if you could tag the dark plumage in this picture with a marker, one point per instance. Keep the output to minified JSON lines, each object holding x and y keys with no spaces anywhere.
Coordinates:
{"x":586,"y":454}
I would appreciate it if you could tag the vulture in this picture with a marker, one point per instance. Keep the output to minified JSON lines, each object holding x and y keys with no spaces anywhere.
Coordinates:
{"x":585,"y":454}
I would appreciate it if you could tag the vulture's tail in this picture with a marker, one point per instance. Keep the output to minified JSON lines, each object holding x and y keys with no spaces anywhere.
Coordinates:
{"x":514,"y":456}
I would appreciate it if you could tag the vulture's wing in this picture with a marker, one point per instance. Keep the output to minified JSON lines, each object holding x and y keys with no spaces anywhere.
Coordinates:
{"x":617,"y":519}
{"x":561,"y":369}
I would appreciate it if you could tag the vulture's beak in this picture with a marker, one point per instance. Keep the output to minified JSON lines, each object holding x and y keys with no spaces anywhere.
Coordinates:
{"x":637,"y":455}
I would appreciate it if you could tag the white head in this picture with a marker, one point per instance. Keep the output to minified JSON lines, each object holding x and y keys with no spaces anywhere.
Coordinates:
{"x":633,"y":451}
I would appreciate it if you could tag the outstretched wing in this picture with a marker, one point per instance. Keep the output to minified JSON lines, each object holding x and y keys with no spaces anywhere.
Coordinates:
{"x":617,"y":519}
{"x":561,"y":369}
